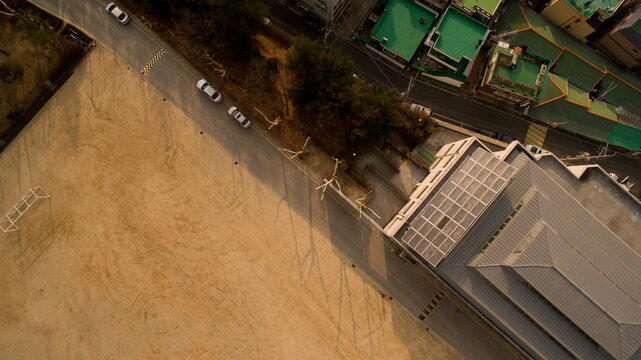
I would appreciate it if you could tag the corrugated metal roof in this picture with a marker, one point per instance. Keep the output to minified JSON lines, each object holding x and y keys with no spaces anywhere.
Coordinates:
{"x":566,"y":254}
{"x":538,"y":310}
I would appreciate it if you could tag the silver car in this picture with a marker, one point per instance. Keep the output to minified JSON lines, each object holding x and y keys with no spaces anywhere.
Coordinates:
{"x":116,"y":12}
{"x":238,"y":116}
{"x":208,"y":90}
{"x":535,"y":150}
{"x":418,"y":107}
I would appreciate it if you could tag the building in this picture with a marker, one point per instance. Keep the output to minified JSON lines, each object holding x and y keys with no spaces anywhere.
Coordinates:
{"x":582,"y":67}
{"x":326,"y":10}
{"x":623,"y":42}
{"x":514,"y":74}
{"x":547,"y":253}
{"x":580,"y":18}
{"x":454,"y":43}
{"x":440,"y":41}
{"x":401,"y":28}
{"x":481,"y":10}
{"x":568,"y":106}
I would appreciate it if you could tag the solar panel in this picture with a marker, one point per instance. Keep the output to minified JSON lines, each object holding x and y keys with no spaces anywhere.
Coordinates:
{"x":446,"y":217}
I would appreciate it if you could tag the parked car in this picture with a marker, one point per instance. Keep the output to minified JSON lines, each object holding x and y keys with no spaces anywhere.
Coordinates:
{"x":535,"y":150}
{"x":208,"y":90}
{"x":238,"y":116}
{"x":116,"y":12}
{"x":417,"y":107}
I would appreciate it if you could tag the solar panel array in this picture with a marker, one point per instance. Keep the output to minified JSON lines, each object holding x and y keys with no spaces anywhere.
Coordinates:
{"x":462,"y":199}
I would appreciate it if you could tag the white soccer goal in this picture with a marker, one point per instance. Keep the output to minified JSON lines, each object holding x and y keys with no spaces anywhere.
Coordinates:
{"x":8,"y":223}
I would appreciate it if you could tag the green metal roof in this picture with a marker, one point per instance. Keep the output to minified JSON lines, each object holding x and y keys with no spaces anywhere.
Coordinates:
{"x":625,"y":136}
{"x":574,"y":118}
{"x":578,"y":96}
{"x":553,"y":89}
{"x":619,"y":93}
{"x":488,"y":5}
{"x":459,"y":34}
{"x":603,"y":109}
{"x":566,"y":106}
{"x":401,"y":23}
{"x":588,"y":8}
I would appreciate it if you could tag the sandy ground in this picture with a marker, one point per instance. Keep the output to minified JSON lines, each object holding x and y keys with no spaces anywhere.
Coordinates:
{"x":154,"y":244}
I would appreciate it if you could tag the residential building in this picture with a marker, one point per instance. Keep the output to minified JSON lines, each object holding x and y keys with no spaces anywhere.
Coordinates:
{"x":547,"y":253}
{"x":481,"y":10}
{"x":326,"y":10}
{"x":580,"y":18}
{"x":400,"y":29}
{"x":592,"y":73}
{"x":623,"y":42}
{"x":514,"y":74}
{"x":441,"y":44}
{"x":454,"y":43}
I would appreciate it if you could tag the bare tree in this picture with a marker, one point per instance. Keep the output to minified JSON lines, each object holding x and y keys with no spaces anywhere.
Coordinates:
{"x":11,"y":13}
{"x":296,"y":153}
{"x":333,"y":178}
{"x":362,"y":205}
{"x":145,"y":21}
{"x":271,"y":123}
{"x":214,"y":62}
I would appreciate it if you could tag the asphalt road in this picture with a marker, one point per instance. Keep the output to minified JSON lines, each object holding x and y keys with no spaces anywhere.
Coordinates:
{"x":451,"y":105}
{"x":358,"y":242}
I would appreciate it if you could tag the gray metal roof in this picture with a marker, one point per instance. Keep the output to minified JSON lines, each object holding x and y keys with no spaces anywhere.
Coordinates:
{"x":538,"y":258}
{"x":573,"y":261}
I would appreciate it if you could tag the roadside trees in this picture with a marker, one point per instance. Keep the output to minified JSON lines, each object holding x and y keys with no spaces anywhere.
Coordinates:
{"x":320,"y":73}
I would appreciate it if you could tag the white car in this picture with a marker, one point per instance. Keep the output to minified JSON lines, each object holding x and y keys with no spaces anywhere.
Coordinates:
{"x":417,"y":107}
{"x":535,"y":150}
{"x":238,"y":116}
{"x":116,"y":12}
{"x":208,"y":90}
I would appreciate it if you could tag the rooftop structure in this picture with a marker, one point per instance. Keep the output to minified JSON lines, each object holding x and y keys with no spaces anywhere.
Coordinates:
{"x":580,"y":18}
{"x":457,"y":39}
{"x":514,"y":74}
{"x":402,"y":27}
{"x":547,"y":252}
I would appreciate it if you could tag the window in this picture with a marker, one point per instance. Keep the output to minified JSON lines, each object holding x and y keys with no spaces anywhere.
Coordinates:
{"x":524,"y":243}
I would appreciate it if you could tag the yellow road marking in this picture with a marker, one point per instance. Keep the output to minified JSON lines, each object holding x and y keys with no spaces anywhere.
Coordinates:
{"x":154,"y":60}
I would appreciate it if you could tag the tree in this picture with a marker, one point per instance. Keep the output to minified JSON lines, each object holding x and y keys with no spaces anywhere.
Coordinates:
{"x":375,"y":108}
{"x":320,"y":73}
{"x":236,"y":21}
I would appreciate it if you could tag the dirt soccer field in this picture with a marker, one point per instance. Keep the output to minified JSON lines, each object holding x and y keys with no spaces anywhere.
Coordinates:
{"x":146,"y":250}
